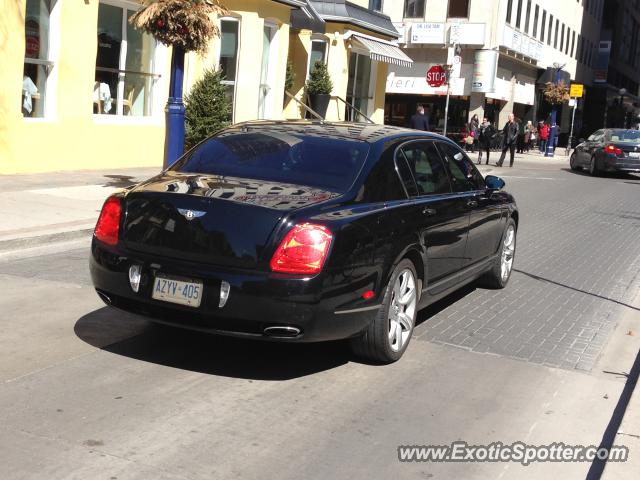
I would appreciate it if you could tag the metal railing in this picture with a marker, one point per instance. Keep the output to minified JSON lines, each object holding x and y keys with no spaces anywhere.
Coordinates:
{"x":306,"y":107}
{"x":353,"y":108}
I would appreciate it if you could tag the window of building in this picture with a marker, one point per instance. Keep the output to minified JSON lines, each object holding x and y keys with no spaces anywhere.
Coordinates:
{"x":375,"y":5}
{"x":573,"y":44}
{"x":125,"y":76}
{"x":229,"y":45}
{"x":555,"y":35}
{"x":562,"y":38}
{"x":318,"y":52}
{"x":458,"y":9}
{"x":37,"y":57}
{"x":566,"y":45}
{"x":543,"y":25}
{"x":414,"y":8}
{"x":535,"y":22}
{"x":549,"y":30}
{"x":509,"y":10}
{"x":527,"y":17}
{"x":518,"y":14}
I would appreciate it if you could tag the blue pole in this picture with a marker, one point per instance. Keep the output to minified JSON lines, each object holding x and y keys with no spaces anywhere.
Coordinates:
{"x":174,"y":137}
{"x":553,"y":134}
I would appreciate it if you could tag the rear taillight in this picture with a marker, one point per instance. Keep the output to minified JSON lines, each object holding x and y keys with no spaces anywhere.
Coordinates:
{"x":108,"y":225}
{"x":303,"y":250}
{"x":613,"y":149}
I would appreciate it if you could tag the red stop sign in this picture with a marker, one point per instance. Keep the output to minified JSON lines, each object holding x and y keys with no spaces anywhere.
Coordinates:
{"x":436,"y":76}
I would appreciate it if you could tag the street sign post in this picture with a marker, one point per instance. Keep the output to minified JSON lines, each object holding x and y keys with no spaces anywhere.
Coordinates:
{"x":576,"y":91}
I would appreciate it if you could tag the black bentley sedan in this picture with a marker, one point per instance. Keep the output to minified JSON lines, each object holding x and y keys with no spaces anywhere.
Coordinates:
{"x":608,"y":150}
{"x":305,"y":231}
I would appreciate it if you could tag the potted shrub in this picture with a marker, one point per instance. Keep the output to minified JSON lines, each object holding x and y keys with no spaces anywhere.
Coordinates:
{"x":318,"y":88}
{"x":207,"y":108}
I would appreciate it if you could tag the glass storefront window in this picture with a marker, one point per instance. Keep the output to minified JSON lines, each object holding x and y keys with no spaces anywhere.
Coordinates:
{"x":229,"y":40}
{"x":125,"y":69}
{"x":36,"y":57}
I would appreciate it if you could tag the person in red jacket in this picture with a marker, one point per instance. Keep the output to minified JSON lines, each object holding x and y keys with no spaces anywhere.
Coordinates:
{"x":543,"y":132}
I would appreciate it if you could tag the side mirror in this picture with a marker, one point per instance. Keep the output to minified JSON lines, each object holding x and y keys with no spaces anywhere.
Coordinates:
{"x":494,"y":183}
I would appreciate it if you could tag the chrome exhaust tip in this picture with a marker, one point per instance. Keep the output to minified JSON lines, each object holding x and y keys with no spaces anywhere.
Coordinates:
{"x":105,"y":298}
{"x":282,"y":331}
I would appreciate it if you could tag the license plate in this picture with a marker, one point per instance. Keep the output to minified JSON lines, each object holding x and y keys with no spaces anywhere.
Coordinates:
{"x":184,"y":292}
{"x":634,"y":154}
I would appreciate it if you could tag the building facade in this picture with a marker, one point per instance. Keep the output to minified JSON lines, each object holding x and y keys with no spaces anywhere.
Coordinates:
{"x":83,"y":89}
{"x":508,"y":50}
{"x":617,"y":69}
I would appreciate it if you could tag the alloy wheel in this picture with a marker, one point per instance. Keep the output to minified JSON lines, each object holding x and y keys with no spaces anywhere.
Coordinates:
{"x":402,"y":309}
{"x":508,"y":252}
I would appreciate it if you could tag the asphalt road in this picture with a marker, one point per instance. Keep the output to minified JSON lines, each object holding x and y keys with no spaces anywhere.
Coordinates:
{"x":91,"y":393}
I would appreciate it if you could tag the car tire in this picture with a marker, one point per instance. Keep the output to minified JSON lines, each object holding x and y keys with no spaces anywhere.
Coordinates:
{"x":500,"y":272}
{"x":388,"y":335}
{"x":593,"y":167}
{"x":573,"y":162}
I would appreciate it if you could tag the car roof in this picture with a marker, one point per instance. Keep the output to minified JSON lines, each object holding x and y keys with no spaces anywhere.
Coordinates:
{"x":364,"y":132}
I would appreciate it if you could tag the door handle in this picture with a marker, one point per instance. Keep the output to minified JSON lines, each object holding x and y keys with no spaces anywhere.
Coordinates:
{"x":429,"y":211}
{"x":472,"y":203}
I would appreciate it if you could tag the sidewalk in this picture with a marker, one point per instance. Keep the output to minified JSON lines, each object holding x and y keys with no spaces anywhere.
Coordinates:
{"x":42,"y":208}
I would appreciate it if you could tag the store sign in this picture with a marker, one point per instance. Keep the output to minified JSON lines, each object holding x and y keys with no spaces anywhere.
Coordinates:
{"x":419,"y":86}
{"x":467,"y":33}
{"x":485,"y":66}
{"x":602,"y":63}
{"x":427,"y":33}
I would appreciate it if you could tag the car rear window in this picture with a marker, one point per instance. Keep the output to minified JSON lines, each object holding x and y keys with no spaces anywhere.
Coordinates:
{"x":631,"y":137}
{"x":328,"y":163}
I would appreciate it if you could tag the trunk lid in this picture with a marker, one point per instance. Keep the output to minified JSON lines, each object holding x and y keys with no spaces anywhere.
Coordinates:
{"x":210,"y":219}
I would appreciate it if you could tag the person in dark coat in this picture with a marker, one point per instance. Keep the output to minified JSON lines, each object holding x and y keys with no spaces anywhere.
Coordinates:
{"x":486,"y":132}
{"x":420,"y":120}
{"x":510,"y":131}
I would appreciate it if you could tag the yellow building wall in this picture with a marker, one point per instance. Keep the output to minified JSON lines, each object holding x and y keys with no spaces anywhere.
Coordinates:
{"x":73,"y":137}
{"x":252,"y":14}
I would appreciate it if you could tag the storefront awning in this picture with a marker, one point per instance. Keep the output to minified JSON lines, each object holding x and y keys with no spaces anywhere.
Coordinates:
{"x":382,"y":51}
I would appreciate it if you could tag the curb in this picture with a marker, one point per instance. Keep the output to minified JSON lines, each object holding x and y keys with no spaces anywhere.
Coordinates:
{"x":41,"y":240}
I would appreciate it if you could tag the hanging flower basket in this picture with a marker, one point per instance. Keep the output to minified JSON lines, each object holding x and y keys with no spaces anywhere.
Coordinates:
{"x":189,"y":24}
{"x":556,"y":93}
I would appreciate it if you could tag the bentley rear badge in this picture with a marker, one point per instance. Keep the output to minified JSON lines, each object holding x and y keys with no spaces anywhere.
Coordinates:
{"x":190,"y":214}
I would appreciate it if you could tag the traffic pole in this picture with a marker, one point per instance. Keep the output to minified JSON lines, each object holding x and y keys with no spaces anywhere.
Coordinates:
{"x":573,"y":119}
{"x":446,"y":105}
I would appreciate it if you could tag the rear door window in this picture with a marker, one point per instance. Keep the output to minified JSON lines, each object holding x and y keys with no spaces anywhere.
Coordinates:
{"x":464,"y":175}
{"x":427,"y":168}
{"x":276,"y":156}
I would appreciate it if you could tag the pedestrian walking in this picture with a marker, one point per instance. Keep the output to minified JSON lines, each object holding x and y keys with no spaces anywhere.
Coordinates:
{"x":510,"y":132}
{"x":420,"y":120}
{"x":472,"y":127}
{"x":486,"y":133}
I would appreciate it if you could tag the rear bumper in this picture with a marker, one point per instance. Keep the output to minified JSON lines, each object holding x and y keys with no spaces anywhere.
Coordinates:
{"x":257,"y":300}
{"x":613,"y":163}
